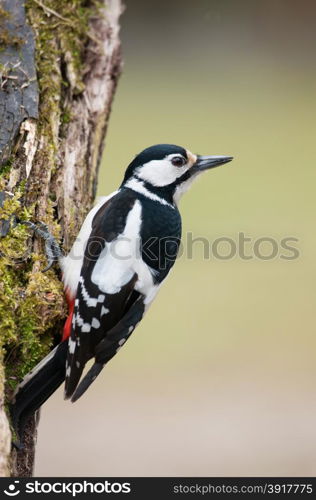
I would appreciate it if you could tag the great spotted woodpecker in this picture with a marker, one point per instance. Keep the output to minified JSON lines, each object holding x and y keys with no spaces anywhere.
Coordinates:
{"x":124,"y":251}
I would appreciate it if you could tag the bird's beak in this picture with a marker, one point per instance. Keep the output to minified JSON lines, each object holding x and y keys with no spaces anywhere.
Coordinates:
{"x":207,"y":162}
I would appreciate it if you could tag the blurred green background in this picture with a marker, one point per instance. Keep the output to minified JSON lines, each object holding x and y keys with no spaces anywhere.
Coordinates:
{"x":219,"y":379}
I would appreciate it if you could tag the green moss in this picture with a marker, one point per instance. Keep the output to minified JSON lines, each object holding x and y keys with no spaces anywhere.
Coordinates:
{"x":61,"y":30}
{"x":6,"y":167}
{"x":36,"y":319}
{"x":31,"y":302}
{"x":7,"y":39}
{"x":28,"y":324}
{"x":66,"y":116}
{"x":4,"y":14}
{"x":32,"y":305}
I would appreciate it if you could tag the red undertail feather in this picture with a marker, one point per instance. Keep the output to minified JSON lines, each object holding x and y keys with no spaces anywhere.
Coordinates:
{"x":68,"y":323}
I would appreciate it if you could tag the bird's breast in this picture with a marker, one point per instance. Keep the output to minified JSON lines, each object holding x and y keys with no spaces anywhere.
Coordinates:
{"x":160,"y":236}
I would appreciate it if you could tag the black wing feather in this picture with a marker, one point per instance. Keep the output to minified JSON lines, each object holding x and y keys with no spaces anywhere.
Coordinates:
{"x":109,"y":346}
{"x":108,"y":224}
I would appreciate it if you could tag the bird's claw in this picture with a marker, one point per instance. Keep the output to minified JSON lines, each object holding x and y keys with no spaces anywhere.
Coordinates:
{"x":52,"y":249}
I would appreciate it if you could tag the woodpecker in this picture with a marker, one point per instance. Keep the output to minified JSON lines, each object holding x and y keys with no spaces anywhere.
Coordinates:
{"x":124,"y":251}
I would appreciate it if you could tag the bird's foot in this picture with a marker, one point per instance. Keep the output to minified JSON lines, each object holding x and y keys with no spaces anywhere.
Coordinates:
{"x":52,"y":249}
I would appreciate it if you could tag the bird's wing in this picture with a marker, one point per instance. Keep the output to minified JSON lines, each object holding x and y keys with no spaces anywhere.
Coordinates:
{"x":105,"y":293}
{"x":110,"y":345}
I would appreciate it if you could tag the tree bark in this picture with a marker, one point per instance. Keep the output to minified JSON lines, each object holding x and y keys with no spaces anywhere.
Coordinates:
{"x":59,"y":67}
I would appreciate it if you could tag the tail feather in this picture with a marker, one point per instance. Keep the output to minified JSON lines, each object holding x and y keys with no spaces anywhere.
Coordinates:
{"x":74,"y":372}
{"x":37,"y":387}
{"x":87,"y":381}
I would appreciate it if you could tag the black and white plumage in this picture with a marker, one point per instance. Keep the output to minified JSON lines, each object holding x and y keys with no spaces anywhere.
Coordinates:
{"x":123,"y":252}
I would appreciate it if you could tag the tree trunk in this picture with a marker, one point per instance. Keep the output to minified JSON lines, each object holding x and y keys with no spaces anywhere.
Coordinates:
{"x":59,"y":67}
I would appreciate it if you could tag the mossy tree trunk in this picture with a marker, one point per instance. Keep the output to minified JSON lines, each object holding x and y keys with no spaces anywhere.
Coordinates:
{"x":59,"y":66}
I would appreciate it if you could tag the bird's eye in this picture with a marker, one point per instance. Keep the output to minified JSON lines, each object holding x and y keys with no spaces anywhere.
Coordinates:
{"x":178,"y":161}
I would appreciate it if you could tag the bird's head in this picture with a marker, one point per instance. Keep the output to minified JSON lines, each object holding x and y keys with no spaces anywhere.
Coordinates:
{"x":168,"y":170}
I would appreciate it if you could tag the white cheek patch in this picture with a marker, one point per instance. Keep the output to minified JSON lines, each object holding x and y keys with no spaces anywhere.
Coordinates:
{"x":160,"y":172}
{"x":183,"y":188}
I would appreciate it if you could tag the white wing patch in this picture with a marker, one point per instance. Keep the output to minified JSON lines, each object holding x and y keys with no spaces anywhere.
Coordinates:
{"x":104,"y":310}
{"x":71,"y":346}
{"x":85,"y":327}
{"x":71,"y":264}
{"x":95,"y":323}
{"x":115,"y":265}
{"x":121,"y":259}
{"x":90,"y":301}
